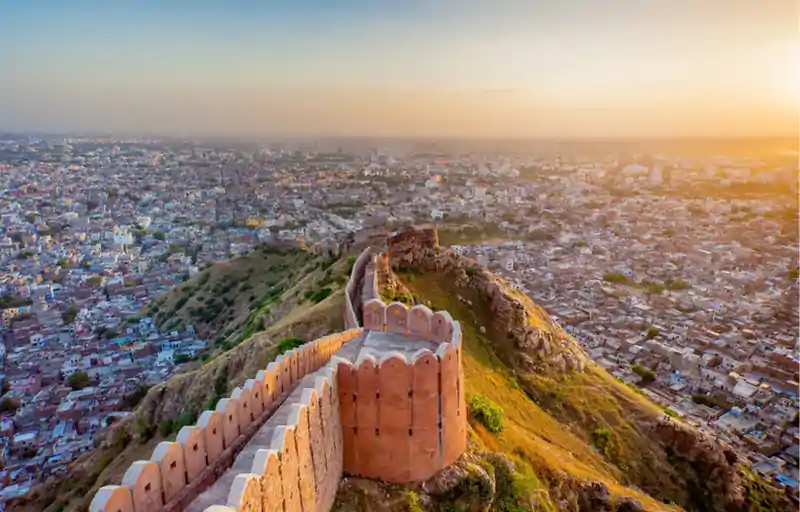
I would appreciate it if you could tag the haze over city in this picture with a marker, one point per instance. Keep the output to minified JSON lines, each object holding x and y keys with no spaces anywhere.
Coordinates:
{"x":473,"y":68}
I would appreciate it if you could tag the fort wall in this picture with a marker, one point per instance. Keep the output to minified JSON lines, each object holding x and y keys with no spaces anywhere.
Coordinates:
{"x":404,"y":418}
{"x":353,"y":289}
{"x":179,"y":472}
{"x":283,"y":440}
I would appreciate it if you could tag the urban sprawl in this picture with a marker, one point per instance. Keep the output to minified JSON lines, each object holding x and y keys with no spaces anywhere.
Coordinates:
{"x":676,"y":273}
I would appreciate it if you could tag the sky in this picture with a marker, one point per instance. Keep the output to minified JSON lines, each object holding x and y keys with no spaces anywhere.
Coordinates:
{"x":419,"y":68}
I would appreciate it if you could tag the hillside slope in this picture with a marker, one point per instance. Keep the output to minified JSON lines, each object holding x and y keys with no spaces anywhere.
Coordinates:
{"x":576,"y":429}
{"x":267,"y":298}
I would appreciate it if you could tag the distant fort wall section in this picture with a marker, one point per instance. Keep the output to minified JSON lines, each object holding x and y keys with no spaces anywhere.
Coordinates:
{"x":353,"y":289}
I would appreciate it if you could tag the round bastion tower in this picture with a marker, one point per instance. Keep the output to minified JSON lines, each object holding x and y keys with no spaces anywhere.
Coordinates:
{"x":401,"y":394}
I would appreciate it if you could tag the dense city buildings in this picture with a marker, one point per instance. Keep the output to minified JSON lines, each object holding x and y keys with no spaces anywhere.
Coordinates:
{"x":677,"y":271}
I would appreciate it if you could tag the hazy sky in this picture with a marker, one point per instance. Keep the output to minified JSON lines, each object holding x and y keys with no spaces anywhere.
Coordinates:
{"x":523,"y":68}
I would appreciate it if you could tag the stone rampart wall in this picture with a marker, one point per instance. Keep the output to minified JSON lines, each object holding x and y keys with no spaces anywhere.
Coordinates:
{"x":369,"y":289}
{"x":179,"y":471}
{"x":352,"y":290}
{"x":415,"y":322}
{"x":402,"y":420}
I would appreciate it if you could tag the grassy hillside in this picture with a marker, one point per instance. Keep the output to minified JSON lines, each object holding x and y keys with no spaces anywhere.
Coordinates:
{"x":231,"y":300}
{"x":258,"y":300}
{"x":567,"y":429}
{"x":555,"y":452}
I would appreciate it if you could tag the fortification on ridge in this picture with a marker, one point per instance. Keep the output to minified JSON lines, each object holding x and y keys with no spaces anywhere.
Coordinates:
{"x":383,"y":399}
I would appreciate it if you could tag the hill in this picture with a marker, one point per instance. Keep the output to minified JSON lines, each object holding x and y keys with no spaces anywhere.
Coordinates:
{"x":549,"y":430}
{"x":231,"y":300}
{"x":577,"y":438}
{"x":254,"y":307}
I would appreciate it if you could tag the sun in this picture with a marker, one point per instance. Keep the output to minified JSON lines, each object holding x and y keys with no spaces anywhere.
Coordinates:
{"x":786,"y":72}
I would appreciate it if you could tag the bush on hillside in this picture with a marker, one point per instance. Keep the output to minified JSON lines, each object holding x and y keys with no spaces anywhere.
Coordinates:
{"x":288,"y":344}
{"x":615,"y":277}
{"x":317,"y":296}
{"x":487,"y":413}
{"x":136,"y":396}
{"x":647,"y":375}
{"x":601,"y":439}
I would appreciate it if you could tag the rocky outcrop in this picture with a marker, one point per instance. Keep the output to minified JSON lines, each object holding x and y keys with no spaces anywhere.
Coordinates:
{"x":537,"y":347}
{"x":713,"y":464}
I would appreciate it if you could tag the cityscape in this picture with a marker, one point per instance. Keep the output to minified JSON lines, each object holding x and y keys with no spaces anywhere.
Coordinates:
{"x":422,"y":256}
{"x":659,"y":280}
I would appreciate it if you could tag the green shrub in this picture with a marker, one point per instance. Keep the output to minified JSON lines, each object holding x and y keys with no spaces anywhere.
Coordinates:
{"x":615,"y":277}
{"x":143,"y":429}
{"x":412,"y":501}
{"x":316,"y":296}
{"x":186,"y":419}
{"x":182,"y":358}
{"x":601,"y":439}
{"x":487,"y":413}
{"x":165,"y":427}
{"x":652,"y":332}
{"x":121,"y":438}
{"x":647,"y":375}
{"x":136,"y":396}
{"x":288,"y":344}
{"x":676,"y":285}
{"x":515,"y":486}
{"x":79,"y":380}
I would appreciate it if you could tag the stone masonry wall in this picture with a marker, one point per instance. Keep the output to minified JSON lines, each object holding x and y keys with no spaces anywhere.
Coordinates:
{"x":179,"y":471}
{"x":404,"y":419}
{"x":282,"y":441}
{"x":352,"y":290}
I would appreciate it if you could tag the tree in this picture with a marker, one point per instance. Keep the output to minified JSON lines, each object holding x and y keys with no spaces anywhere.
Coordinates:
{"x":159,"y":235}
{"x":652,"y":332}
{"x":182,"y":358}
{"x":8,"y":405}
{"x":79,"y":380}
{"x":647,"y":375}
{"x":7,"y":301}
{"x":95,"y":281}
{"x":70,"y":314}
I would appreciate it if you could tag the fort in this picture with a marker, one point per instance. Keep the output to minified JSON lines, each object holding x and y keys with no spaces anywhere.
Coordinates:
{"x":384,"y":399}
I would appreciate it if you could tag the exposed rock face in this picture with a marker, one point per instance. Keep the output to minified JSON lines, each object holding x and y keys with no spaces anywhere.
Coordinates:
{"x":714,"y":464}
{"x":542,"y":345}
{"x":465,"y":473}
{"x":629,"y":505}
{"x":594,"y":497}
{"x":539,"y":348}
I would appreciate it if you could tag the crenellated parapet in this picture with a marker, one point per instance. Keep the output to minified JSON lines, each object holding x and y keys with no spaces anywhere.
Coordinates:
{"x":297,"y":466}
{"x":403,"y":418}
{"x":417,"y":322}
{"x":179,"y":471}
